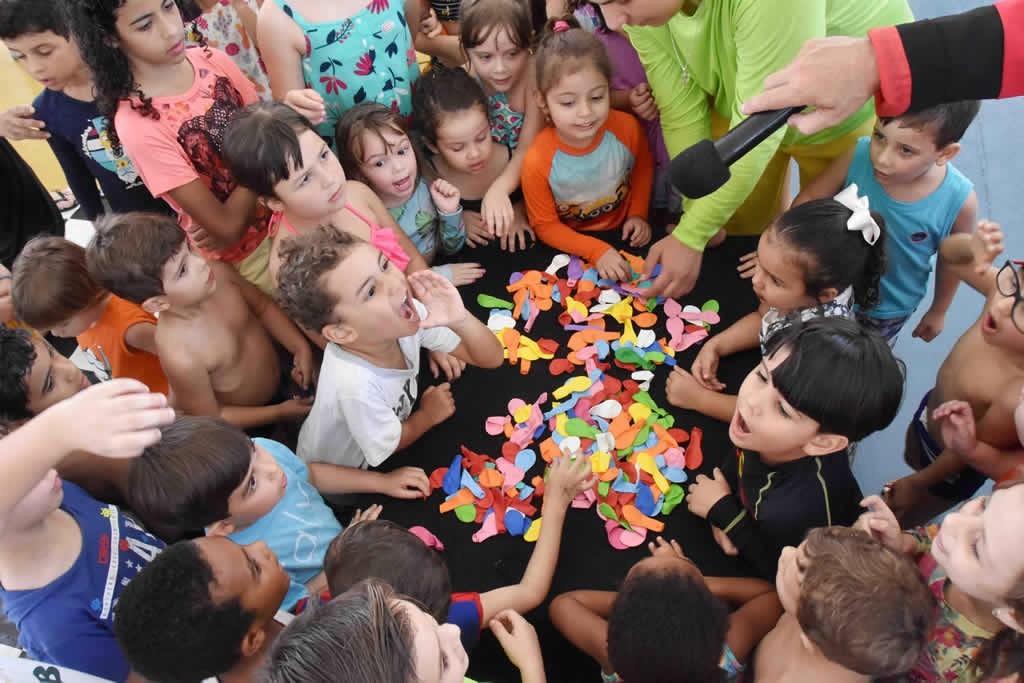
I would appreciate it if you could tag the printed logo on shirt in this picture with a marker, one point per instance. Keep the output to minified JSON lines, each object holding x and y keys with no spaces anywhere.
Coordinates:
{"x":918,"y":237}
{"x":96,"y":145}
{"x":405,"y":401}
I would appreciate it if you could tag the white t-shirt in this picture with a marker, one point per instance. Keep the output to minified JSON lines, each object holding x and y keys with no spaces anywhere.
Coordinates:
{"x":359,"y":409}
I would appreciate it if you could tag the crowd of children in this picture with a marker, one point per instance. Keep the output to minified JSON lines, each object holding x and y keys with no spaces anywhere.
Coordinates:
{"x":272,"y":223}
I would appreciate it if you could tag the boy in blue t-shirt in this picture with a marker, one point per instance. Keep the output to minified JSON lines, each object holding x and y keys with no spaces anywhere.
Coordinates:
{"x":207,"y":474}
{"x":38,"y":39}
{"x":64,"y":556}
{"x":905,"y":172}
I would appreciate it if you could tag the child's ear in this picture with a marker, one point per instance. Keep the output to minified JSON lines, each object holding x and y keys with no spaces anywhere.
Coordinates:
{"x":224,"y":527}
{"x":273,"y":203}
{"x":254,"y":639}
{"x":430,"y":146}
{"x":1010,"y":617}
{"x":339,"y":333}
{"x":826,"y":444}
{"x":947,"y":153}
{"x":155,"y":305}
{"x":807,"y":644}
{"x":541,"y":102}
{"x":827,"y":294}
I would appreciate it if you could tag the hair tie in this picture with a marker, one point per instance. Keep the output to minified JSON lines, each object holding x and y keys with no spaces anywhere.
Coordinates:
{"x":861,"y":219}
{"x":561,"y":25}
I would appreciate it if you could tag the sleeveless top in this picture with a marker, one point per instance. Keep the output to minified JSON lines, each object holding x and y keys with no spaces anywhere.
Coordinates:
{"x":381,"y":238}
{"x":506,"y":122}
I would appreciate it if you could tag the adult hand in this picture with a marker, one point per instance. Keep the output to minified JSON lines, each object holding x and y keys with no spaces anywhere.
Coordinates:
{"x":680,"y":266}
{"x":835,"y":75}
{"x":16,"y":123}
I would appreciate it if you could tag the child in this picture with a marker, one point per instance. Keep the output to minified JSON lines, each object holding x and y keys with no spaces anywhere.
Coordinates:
{"x":985,"y":368}
{"x":855,"y":611}
{"x":388,"y":552}
{"x":452,"y":116}
{"x":207,"y":474}
{"x":497,"y":36}
{"x":36,"y":34}
{"x":792,"y":425}
{"x":905,"y":169}
{"x":973,"y":564}
{"x":646,"y":632}
{"x":347,"y":290}
{"x":202,"y":609}
{"x":375,"y":149}
{"x":591,"y":170}
{"x":172,"y":106}
{"x":65,"y":557}
{"x":817,"y":259}
{"x":230,"y":26}
{"x":214,"y":332}
{"x":373,"y":634}
{"x":52,"y":290}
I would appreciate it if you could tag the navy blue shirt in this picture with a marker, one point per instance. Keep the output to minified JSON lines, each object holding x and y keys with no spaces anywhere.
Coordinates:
{"x":79,"y":141}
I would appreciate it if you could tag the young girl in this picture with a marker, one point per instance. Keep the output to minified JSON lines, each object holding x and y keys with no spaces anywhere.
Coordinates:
{"x":452,"y":115}
{"x":371,"y":633}
{"x":170,"y":106}
{"x":591,"y":170}
{"x":817,"y":259}
{"x":375,"y":148}
{"x":974,"y":564}
{"x":496,"y":35}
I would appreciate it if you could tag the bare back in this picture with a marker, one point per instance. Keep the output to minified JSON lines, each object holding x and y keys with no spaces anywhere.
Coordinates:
{"x":782,"y":658}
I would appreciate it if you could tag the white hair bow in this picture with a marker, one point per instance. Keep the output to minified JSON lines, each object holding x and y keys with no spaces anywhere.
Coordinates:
{"x":861,"y":219}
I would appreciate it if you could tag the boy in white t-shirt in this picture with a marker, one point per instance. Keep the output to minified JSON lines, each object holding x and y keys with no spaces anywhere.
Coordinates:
{"x":347,"y":290}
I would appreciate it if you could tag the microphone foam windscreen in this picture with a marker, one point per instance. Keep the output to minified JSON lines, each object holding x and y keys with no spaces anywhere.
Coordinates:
{"x":698,"y":170}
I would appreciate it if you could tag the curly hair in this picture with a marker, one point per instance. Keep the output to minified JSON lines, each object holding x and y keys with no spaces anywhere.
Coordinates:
{"x":19,"y":355}
{"x":305,"y":260}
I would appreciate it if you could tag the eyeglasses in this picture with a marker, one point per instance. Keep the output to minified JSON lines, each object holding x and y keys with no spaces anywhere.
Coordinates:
{"x":1008,"y":284}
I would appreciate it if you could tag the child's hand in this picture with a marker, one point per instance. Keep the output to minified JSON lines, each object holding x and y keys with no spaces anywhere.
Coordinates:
{"x":445,"y":195}
{"x":497,"y":212}
{"x":203,"y":239}
{"x":518,"y":639}
{"x":748,"y":265}
{"x":372,"y":513}
{"x":443,"y":301}
{"x":879,"y":522}
{"x":406,"y":482}
{"x":307,"y":102}
{"x":437,"y":403}
{"x":682,"y":389}
{"x":986,"y":245}
{"x":466,"y":273}
{"x":703,"y":495}
{"x":122,"y":417}
{"x":477,"y":232}
{"x":569,"y":477}
{"x":519,"y":235}
{"x":16,"y":123}
{"x":429,"y":25}
{"x":611,"y":266}
{"x":641,"y":101}
{"x":303,"y":371}
{"x":956,"y":420}
{"x":724,"y":542}
{"x":930,"y":326}
{"x":637,"y":231}
{"x":294,"y":408}
{"x":705,"y":367}
{"x":903,"y":494}
{"x":451,"y":366}
{"x":660,"y":547}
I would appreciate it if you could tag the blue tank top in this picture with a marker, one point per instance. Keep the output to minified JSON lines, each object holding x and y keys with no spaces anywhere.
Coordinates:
{"x":913,"y":231}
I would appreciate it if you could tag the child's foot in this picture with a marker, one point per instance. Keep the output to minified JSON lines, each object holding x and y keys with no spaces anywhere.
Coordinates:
{"x":718,"y":238}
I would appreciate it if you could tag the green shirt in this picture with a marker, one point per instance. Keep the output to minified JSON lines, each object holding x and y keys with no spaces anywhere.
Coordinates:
{"x":725,"y":49}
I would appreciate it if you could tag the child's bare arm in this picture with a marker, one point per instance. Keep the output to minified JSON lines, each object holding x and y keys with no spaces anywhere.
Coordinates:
{"x":436,"y":406}
{"x":281,"y":328}
{"x":970,"y":257}
{"x":141,"y":336}
{"x":404,"y":482}
{"x":497,"y":196}
{"x":757,"y":613}
{"x":282,"y":44}
{"x":568,"y":477}
{"x":829,"y":183}
{"x":582,"y":617}
{"x":479,"y":346}
{"x":220,"y":224}
{"x":741,"y":335}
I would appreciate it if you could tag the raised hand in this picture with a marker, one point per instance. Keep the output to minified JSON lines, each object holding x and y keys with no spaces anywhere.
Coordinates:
{"x":443,"y":302}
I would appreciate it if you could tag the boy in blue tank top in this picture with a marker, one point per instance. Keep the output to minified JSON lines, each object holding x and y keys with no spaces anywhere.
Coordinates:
{"x":904,"y":169}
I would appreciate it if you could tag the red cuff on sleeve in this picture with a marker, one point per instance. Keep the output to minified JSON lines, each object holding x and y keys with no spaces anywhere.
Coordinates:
{"x":893,"y":96}
{"x":1012,"y":15}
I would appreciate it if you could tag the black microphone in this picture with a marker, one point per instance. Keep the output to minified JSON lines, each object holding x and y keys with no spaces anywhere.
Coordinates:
{"x":704,"y":167}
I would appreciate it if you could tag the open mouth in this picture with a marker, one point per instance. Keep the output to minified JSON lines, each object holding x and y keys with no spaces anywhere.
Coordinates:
{"x":478,"y":166}
{"x":402,"y":185}
{"x":738,"y":426}
{"x":406,"y":310}
{"x":988,"y":324}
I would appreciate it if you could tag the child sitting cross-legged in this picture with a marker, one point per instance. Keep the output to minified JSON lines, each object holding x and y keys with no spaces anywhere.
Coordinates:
{"x":207,"y":474}
{"x":214,"y":331}
{"x":376,"y":320}
{"x":791,"y":428}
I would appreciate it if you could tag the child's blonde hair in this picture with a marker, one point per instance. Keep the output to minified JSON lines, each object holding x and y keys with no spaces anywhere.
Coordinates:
{"x":365,"y":118}
{"x":479,"y":19}
{"x":564,"y":49}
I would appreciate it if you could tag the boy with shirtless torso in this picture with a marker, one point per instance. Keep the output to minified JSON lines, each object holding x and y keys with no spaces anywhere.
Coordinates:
{"x":212,"y":332}
{"x":985,"y":369}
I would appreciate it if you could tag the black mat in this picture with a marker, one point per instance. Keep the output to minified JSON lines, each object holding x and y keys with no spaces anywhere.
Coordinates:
{"x":586,"y":559}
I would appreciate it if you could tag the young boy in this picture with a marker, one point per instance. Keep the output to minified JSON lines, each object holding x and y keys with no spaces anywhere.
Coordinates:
{"x":207,"y":474}
{"x":792,"y":425}
{"x":65,"y":557}
{"x":52,"y":290}
{"x":985,"y":369}
{"x":905,"y":171}
{"x":347,"y":290}
{"x":212,"y":333}
{"x":202,"y":609}
{"x":37,"y":37}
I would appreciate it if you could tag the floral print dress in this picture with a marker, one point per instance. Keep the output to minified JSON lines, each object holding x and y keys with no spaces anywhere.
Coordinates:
{"x":368,"y":57}
{"x":223,"y":30}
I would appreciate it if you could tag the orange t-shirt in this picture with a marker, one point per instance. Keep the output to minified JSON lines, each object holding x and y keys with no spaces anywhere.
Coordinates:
{"x":105,"y":342}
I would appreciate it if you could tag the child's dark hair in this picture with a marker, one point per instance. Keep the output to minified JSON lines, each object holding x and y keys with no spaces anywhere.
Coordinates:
{"x":831,"y":255}
{"x":128,"y":253}
{"x":22,"y":17}
{"x":170,"y":600}
{"x":51,"y":283}
{"x":305,"y":260}
{"x":260,"y":144}
{"x":666,"y":627}
{"x":479,"y":20}
{"x":384,"y":550}
{"x":182,"y":483}
{"x":18,"y":355}
{"x":443,"y":91}
{"x":364,"y":118}
{"x":948,"y":122}
{"x":562,"y":52}
{"x":866,"y":607}
{"x":823,"y":349}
